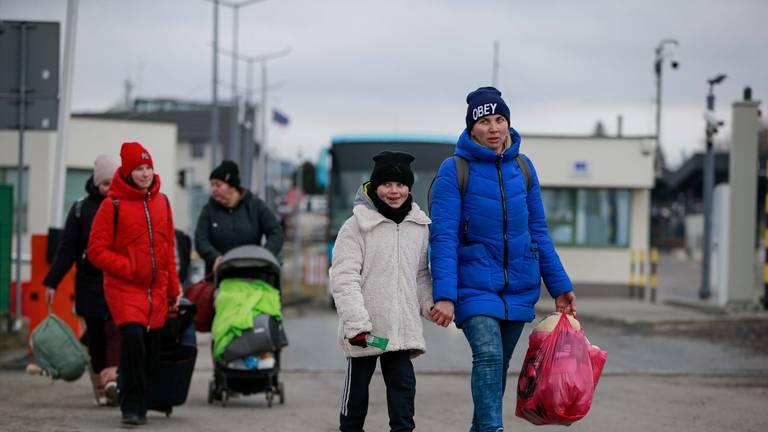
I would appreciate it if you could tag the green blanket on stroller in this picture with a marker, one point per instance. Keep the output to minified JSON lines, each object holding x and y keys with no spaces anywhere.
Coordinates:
{"x":237,"y":302}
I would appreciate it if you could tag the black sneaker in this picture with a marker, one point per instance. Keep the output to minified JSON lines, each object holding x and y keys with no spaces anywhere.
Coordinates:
{"x":132,"y":420}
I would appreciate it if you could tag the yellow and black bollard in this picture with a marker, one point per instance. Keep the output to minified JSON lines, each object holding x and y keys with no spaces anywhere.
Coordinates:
{"x":641,"y":274}
{"x":654,"y":273}
{"x":631,"y":273}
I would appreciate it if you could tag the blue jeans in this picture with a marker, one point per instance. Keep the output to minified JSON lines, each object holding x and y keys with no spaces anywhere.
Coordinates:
{"x":492,"y":342}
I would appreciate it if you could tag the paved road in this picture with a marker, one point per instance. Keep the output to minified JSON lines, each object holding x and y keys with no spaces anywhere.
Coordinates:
{"x":312,"y":333}
{"x":651,"y":383}
{"x":628,"y":403}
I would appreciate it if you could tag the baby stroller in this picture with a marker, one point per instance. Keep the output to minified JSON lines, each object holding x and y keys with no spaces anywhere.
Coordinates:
{"x":237,"y":371}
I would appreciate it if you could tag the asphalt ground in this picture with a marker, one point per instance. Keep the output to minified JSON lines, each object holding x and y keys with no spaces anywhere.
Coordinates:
{"x":629,"y":403}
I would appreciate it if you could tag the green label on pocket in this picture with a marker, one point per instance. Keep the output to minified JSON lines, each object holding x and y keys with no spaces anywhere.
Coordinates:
{"x":376,"y":341}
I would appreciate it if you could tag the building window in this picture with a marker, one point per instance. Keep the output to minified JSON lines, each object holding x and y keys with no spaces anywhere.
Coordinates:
{"x":559,"y":208}
{"x":587,"y":217}
{"x":197,"y":149}
{"x":10,"y":176}
{"x":74,"y":187}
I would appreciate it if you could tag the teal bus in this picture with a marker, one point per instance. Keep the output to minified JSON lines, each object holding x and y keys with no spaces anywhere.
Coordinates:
{"x":351,"y":164}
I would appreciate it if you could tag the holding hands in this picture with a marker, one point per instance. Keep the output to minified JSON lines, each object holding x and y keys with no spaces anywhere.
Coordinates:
{"x":442,"y":313}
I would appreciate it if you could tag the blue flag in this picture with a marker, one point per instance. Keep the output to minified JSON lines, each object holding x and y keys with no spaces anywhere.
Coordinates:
{"x":279,"y":118}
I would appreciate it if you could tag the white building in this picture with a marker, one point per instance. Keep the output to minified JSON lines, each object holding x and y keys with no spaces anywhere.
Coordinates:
{"x":597,"y":197}
{"x":194,"y":156}
{"x":87,"y":138}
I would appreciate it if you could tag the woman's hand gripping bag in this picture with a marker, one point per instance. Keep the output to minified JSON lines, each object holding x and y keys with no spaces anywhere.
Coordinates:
{"x":559,"y":374}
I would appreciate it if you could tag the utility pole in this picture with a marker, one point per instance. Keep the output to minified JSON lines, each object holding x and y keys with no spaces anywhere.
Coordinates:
{"x":658,"y":69}
{"x":20,"y":170}
{"x":62,"y":138}
{"x":233,"y":147}
{"x":712,"y":124}
{"x":263,"y":145}
{"x":248,"y":153}
{"x":233,"y":152}
{"x":215,"y":147}
{"x":296,"y":227}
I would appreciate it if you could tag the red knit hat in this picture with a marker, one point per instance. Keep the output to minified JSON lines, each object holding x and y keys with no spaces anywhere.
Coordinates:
{"x":133,"y":154}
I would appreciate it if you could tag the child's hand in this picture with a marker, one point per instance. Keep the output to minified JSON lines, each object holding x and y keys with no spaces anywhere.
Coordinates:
{"x":359,"y":340}
{"x":442,"y":312}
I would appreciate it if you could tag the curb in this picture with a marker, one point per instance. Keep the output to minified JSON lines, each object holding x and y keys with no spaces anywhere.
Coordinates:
{"x":665,"y":324}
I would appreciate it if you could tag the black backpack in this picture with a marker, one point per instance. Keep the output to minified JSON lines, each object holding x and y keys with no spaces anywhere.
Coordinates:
{"x":462,"y":176}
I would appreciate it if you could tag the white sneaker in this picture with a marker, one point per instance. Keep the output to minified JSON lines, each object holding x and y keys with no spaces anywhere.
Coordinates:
{"x":110,"y":392}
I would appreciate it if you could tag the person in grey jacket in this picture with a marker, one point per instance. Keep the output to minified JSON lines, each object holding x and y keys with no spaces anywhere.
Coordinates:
{"x":233,"y":217}
{"x":381,"y":285}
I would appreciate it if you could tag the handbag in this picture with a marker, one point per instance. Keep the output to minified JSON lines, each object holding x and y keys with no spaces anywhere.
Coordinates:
{"x":201,"y":294}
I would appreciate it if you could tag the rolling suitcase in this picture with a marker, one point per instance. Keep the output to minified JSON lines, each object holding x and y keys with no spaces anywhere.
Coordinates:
{"x":178,"y":353}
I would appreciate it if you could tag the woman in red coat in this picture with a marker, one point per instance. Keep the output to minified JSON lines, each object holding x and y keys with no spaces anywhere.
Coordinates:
{"x":132,"y":242}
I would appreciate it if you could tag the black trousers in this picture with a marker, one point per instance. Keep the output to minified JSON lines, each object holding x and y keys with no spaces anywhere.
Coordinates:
{"x":397,"y":369}
{"x":103,"y":341}
{"x":139,"y":360}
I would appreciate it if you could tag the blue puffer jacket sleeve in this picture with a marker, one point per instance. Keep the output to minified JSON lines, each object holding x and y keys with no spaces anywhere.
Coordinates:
{"x":444,"y":232}
{"x":552,"y":271}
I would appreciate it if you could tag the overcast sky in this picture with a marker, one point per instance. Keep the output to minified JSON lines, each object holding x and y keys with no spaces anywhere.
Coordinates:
{"x":360,"y":66}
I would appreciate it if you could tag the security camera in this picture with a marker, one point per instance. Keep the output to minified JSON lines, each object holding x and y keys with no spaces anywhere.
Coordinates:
{"x":674,"y":64}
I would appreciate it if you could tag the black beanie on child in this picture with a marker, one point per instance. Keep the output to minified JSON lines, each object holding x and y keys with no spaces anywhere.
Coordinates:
{"x":228,"y":173}
{"x":392,"y":166}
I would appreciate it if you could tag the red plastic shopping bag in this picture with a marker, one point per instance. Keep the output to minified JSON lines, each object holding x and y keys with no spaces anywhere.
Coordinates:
{"x":559,"y":376}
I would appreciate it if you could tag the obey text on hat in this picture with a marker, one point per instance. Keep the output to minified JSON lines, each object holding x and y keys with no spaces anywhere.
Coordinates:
{"x":483,"y":110}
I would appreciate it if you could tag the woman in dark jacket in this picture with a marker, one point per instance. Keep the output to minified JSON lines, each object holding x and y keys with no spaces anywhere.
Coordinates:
{"x":103,"y":337}
{"x":133,"y":243}
{"x":233,"y":217}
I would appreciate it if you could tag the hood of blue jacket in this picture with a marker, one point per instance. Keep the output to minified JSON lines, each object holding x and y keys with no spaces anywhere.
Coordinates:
{"x":470,"y":150}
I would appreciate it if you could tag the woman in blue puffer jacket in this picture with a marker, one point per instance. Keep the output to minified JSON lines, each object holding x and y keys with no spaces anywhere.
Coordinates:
{"x":491,"y":249}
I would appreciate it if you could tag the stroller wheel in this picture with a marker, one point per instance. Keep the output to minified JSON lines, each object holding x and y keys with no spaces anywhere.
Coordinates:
{"x":270,"y":397}
{"x":224,"y":398}
{"x":281,"y":392}
{"x":211,"y":391}
{"x":169,"y":412}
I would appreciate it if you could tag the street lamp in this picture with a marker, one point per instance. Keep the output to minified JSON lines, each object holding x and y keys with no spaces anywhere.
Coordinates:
{"x":234,"y":139}
{"x":712,"y":125}
{"x":660,"y":56}
{"x":215,"y":149}
{"x":248,"y":153}
{"x":234,"y":130}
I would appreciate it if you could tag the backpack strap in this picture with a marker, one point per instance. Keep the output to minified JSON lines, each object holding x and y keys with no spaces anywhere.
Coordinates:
{"x":462,"y":174}
{"x":462,"y":178}
{"x":525,"y":169}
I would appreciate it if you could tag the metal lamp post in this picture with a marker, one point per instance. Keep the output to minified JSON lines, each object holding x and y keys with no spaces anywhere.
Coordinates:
{"x":233,"y":150}
{"x":712,"y":124}
{"x":215,"y":149}
{"x":248,"y":153}
{"x":658,"y":68}
{"x":216,"y":153}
